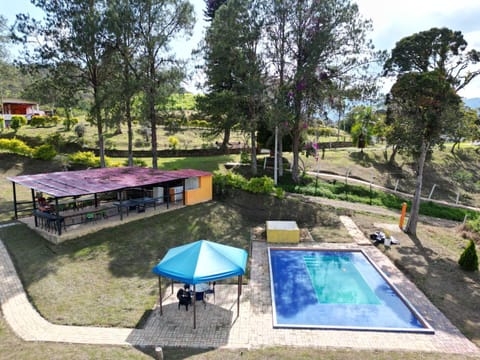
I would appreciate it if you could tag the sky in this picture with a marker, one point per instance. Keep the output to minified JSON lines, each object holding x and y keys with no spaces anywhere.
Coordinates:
{"x":392,"y":20}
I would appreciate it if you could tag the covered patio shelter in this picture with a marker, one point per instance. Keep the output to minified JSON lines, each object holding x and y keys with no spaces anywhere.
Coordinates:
{"x":130,"y":187}
{"x":200,"y":262}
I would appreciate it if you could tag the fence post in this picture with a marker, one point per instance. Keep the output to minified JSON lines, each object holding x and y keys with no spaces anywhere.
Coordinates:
{"x":431,"y":192}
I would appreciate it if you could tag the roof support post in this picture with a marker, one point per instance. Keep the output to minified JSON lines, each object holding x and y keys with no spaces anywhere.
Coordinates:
{"x":57,"y":215}
{"x":15,"y":209}
{"x":34,"y":205}
{"x":160,"y":292}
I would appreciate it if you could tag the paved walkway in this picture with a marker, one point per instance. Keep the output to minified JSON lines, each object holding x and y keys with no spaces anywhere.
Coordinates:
{"x":218,"y":324}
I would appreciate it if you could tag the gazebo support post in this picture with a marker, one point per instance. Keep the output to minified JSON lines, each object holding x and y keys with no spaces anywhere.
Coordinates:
{"x":172,"y":286}
{"x":238,"y":294}
{"x":160,"y":292}
{"x":194,"y":308}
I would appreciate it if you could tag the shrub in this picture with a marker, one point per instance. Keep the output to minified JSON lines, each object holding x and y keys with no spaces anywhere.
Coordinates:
{"x":88,"y":159}
{"x":79,"y":129}
{"x":2,"y":124}
{"x":55,"y":139}
{"x":245,"y":157}
{"x":260,"y":185}
{"x":173,"y":142}
{"x":84,"y":158}
{"x":15,"y":146}
{"x":17,"y":122}
{"x":136,"y":162}
{"x":138,"y":143}
{"x":469,"y":259}
{"x":68,"y":123}
{"x":44,"y":152}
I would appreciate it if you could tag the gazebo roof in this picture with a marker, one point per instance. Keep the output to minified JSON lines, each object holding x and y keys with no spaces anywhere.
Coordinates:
{"x":92,"y":181}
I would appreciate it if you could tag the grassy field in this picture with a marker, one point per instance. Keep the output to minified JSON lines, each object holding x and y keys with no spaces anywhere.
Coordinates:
{"x":115,"y":264}
{"x":100,"y":272}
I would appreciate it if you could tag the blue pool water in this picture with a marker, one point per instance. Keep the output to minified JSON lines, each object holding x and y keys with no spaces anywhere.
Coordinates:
{"x":336,"y":289}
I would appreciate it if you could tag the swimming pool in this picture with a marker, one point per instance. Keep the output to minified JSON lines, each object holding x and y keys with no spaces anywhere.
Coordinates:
{"x":337,"y":290}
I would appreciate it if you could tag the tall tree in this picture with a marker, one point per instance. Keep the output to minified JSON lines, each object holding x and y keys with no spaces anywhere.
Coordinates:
{"x":159,"y":23}
{"x":421,"y":104}
{"x":74,"y":31}
{"x":211,"y":8}
{"x":444,"y":52}
{"x":122,"y":24}
{"x":439,"y":49}
{"x":316,"y":44}
{"x":235,"y":81}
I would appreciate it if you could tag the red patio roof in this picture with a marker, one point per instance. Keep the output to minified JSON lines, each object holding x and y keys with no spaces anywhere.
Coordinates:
{"x":83,"y":182}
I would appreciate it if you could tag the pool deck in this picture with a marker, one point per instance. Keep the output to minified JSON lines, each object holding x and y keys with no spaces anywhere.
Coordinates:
{"x":218,"y":324}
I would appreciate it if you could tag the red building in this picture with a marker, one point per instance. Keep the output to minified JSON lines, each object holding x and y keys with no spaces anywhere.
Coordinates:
{"x":12,"y":107}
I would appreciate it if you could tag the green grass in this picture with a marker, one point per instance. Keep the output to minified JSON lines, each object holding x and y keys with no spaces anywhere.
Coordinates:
{"x":362,"y":194}
{"x":105,"y":278}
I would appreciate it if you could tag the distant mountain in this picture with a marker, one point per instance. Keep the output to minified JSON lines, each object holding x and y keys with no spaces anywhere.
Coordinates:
{"x":473,"y":103}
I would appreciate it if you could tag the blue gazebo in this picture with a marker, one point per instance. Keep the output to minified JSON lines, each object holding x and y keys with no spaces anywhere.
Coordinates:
{"x":199,"y":262}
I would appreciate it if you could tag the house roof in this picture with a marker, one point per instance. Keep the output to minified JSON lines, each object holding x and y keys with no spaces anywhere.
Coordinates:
{"x":19,"y":101}
{"x":92,"y":181}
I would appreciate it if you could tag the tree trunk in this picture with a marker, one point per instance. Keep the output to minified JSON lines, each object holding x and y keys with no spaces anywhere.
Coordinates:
{"x":452,"y":150}
{"x":98,"y":118}
{"x":128,"y":115}
{"x":151,"y":93}
{"x":296,"y":150}
{"x":413,"y":218}
{"x":391,"y":161}
{"x":226,"y":138}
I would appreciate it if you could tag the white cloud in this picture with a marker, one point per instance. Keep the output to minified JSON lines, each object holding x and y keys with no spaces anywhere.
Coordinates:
{"x":393,"y":20}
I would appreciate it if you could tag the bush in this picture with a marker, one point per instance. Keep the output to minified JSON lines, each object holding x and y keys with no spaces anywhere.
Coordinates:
{"x":260,"y":185}
{"x":79,"y":129}
{"x":68,"y":123}
{"x":84,"y":158}
{"x":2,"y":124}
{"x":136,"y":162}
{"x":469,"y":260}
{"x":17,"y":122}
{"x":245,"y":157}
{"x":16,"y":146}
{"x":173,"y":142}
{"x":44,"y":152}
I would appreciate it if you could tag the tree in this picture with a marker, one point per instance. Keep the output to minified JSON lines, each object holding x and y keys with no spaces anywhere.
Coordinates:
{"x":74,"y":31}
{"x":438,"y":51}
{"x":442,"y":49}
{"x":211,"y":7}
{"x":234,"y":71}
{"x":364,"y":121}
{"x":316,"y":44}
{"x":462,"y":126}
{"x":159,"y":23}
{"x":420,"y":103}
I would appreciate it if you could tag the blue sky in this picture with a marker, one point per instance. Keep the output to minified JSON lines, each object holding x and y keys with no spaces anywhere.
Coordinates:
{"x":392,"y":20}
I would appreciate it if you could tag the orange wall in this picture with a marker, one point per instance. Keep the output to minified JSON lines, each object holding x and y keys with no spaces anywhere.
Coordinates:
{"x":202,"y":194}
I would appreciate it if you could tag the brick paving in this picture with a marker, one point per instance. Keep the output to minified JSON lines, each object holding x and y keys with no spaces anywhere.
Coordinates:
{"x":218,"y":324}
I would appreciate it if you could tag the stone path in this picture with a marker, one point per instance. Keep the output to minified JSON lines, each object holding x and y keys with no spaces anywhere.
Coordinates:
{"x":218,"y":324}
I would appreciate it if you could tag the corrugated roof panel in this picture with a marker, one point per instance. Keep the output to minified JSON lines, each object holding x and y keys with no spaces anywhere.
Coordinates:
{"x":83,"y":182}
